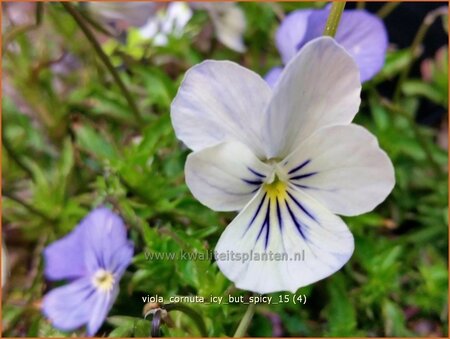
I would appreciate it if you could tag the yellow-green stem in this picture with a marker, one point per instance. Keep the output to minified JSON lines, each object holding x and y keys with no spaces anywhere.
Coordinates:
{"x":333,"y":18}
{"x":245,"y":321}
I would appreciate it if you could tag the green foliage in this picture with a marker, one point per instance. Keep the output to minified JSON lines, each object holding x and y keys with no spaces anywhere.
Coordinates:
{"x":70,"y":143}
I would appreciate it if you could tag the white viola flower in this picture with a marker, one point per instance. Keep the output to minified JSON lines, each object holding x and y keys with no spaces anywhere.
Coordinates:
{"x":229,"y":23}
{"x":288,"y":159}
{"x":167,"y":21}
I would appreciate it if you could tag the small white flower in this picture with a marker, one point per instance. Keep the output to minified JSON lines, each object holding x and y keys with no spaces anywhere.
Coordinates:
{"x":167,"y":21}
{"x":288,"y":159}
{"x":229,"y":23}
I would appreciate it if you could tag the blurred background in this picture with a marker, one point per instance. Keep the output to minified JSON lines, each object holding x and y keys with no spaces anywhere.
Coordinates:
{"x":72,"y":140}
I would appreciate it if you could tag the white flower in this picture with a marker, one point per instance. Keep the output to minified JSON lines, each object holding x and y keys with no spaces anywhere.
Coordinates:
{"x":288,"y":159}
{"x":229,"y":23}
{"x":167,"y":21}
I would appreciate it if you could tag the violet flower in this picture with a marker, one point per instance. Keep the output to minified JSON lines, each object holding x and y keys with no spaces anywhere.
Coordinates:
{"x":93,"y":257}
{"x":362,"y":34}
{"x":288,"y":159}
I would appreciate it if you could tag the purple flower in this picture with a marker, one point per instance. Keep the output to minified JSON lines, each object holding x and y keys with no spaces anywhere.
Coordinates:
{"x":362,"y":34}
{"x":93,"y":257}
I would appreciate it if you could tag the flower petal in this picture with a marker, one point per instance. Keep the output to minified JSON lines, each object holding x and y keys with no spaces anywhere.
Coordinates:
{"x":70,"y":306}
{"x":220,"y":101}
{"x":361,"y":33}
{"x":120,"y":259}
{"x":291,"y":32}
{"x":106,"y":235}
{"x":68,"y":249}
{"x":229,"y":24}
{"x":343,"y":168}
{"x":288,"y":241}
{"x":273,"y":75}
{"x":100,"y":310}
{"x":319,"y":87}
{"x":226,"y":176}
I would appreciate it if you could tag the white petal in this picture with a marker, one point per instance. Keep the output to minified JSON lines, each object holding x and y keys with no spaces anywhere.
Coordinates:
{"x":302,"y":241}
{"x":220,"y":101}
{"x":226,"y":176}
{"x":319,"y":87}
{"x":344,"y":168}
{"x":230,"y":26}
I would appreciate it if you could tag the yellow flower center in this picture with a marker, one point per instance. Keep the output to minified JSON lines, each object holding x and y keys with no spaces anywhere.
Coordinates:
{"x":276,"y":189}
{"x":103,"y":280}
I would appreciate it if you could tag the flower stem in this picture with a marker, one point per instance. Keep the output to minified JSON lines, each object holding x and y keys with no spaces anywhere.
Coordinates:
{"x":333,"y":18}
{"x":29,"y":207}
{"x":387,"y":9}
{"x":71,"y":9}
{"x":245,"y":322}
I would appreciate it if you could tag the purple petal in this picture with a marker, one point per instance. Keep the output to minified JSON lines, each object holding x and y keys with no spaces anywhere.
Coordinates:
{"x":64,"y":258}
{"x":121,"y":259}
{"x":105,"y":234}
{"x":272,"y":76}
{"x":362,"y":34}
{"x":100,"y":310}
{"x":70,"y":306}
{"x":291,"y":32}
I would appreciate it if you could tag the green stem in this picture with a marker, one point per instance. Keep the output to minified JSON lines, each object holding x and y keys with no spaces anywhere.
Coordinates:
{"x":15,"y":157}
{"x":333,"y":18}
{"x":387,"y":9}
{"x":245,"y":321}
{"x":28,"y":207}
{"x":71,"y":9}
{"x":420,"y":35}
{"x":194,"y":315}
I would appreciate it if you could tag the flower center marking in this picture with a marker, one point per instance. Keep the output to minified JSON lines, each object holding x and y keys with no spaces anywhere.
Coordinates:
{"x":276,"y":189}
{"x":103,"y":280}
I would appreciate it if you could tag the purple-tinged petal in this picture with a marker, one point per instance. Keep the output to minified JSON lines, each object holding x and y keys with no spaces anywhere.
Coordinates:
{"x":291,"y":32}
{"x":272,"y":76}
{"x":319,"y":87}
{"x":362,"y":34}
{"x":121,"y":259}
{"x":64,"y":259}
{"x":70,"y":306}
{"x":105,"y":234}
{"x":100,"y":310}
{"x":220,"y":101}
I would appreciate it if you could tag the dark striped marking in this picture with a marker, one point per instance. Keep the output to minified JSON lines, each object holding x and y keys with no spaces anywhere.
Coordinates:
{"x":306,"y":175}
{"x":299,"y":167}
{"x":294,"y":219}
{"x":256,"y":173}
{"x":257,"y":212}
{"x":309,"y":214}
{"x":252,"y":182}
